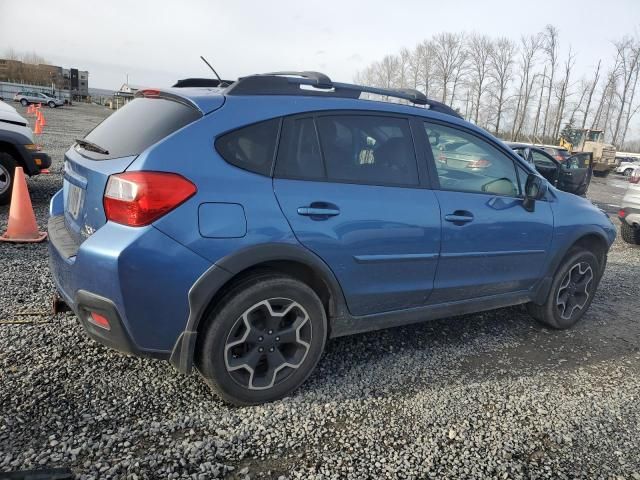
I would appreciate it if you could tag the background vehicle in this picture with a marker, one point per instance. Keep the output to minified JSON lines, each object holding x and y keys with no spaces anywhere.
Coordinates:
{"x":629,"y":213}
{"x":289,"y":215}
{"x":558,"y":153}
{"x":572,"y":174}
{"x":17,"y":148}
{"x":627,"y":165}
{"x":25,"y":98}
{"x":577,"y":140}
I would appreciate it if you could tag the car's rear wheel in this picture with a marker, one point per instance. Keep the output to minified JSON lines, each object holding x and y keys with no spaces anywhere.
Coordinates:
{"x":628,"y":172}
{"x":629,"y":233}
{"x":7,"y":170}
{"x":572,"y":290}
{"x":263,"y":339}
{"x":24,"y":102}
{"x":52,"y":105}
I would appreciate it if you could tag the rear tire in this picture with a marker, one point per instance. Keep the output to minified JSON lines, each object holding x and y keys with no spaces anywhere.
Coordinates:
{"x":262,"y":340}
{"x":627,"y":172}
{"x":629,"y":233}
{"x":24,"y":102}
{"x":51,"y":105}
{"x":7,"y":173}
{"x":572,"y":290}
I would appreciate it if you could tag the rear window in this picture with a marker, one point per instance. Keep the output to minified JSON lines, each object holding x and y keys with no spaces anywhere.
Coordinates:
{"x":251,"y":148}
{"x":138,"y":125}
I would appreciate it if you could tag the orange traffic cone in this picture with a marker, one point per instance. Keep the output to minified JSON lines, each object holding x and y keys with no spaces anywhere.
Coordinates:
{"x":22,"y":226}
{"x":30,"y":109}
{"x":43,"y":120}
{"x":37,"y":129}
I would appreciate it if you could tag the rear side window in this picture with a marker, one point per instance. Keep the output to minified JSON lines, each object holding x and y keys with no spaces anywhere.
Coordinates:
{"x":138,"y":125}
{"x":375,"y":150}
{"x":251,"y":148}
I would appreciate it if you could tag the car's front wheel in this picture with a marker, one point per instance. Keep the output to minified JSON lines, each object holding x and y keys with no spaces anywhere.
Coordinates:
{"x":572,"y":290}
{"x":52,"y":105}
{"x":263,"y":339}
{"x":24,"y":102}
{"x":7,"y":170}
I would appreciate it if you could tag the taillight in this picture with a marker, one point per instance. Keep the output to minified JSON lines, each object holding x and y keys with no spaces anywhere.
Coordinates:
{"x":149,"y":93}
{"x":139,"y":198}
{"x":481,"y":163}
{"x":99,"y":320}
{"x":622,"y":213}
{"x":635,"y":178}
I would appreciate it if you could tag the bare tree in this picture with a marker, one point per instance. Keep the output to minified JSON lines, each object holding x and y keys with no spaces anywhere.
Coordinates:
{"x":628,"y":50}
{"x":630,"y":113}
{"x":426,"y":56}
{"x":530,"y":47}
{"x":550,"y":43}
{"x":501,"y":74}
{"x":448,"y":55}
{"x":480,"y":50}
{"x":564,"y":87}
{"x":535,"y":124}
{"x":594,"y":83}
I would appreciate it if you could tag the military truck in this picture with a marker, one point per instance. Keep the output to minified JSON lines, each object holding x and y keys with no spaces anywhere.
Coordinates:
{"x":578,"y":140}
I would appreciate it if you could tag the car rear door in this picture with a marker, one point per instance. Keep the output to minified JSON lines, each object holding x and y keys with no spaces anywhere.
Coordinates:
{"x":491,"y":245}
{"x":546,"y":165}
{"x":576,"y":173}
{"x":352,"y":188}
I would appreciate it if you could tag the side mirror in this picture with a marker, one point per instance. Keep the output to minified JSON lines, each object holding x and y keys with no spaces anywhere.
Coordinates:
{"x":534,"y":189}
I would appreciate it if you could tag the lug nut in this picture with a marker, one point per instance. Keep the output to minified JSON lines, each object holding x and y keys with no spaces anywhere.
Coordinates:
{"x":277,"y":339}
{"x":260,"y":339}
{"x":261,"y":349}
{"x":271,"y":349}
{"x":270,"y":332}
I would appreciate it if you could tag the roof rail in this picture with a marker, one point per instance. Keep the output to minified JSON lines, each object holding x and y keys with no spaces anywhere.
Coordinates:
{"x":319,"y":84}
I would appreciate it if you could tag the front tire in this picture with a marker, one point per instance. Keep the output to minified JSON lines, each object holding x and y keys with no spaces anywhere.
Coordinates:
{"x":263,"y":340}
{"x":572,"y":290}
{"x":7,"y":172}
{"x":51,"y":105}
{"x":629,"y":233}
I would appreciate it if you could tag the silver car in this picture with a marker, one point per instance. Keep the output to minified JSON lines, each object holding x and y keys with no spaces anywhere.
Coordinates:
{"x":25,"y":98}
{"x":629,"y":213}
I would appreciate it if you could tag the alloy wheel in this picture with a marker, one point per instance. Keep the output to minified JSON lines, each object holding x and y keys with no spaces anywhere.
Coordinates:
{"x":573,"y":293}
{"x":5,"y":179}
{"x":267,"y":343}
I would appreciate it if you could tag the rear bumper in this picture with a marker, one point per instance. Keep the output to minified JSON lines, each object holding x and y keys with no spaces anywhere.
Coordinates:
{"x":123,"y":274}
{"x":631,"y":216}
{"x":41,"y":160}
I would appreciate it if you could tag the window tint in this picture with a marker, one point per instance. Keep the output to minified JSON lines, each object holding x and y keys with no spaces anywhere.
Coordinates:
{"x":467,"y":163}
{"x":541,"y":159}
{"x":368,"y":149}
{"x":252,"y":147}
{"x":138,"y":125}
{"x":299,"y":151}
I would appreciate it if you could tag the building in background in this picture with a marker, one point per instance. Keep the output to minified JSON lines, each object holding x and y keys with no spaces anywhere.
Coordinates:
{"x":71,"y":82}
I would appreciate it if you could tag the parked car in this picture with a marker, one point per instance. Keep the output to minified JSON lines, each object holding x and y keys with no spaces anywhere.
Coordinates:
{"x":17,"y":149}
{"x":25,"y":98}
{"x":629,"y":213}
{"x":572,"y":175}
{"x":245,"y":225}
{"x":627,"y":166}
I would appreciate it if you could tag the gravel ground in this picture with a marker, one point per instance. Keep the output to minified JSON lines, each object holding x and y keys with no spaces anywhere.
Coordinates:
{"x":492,"y":395}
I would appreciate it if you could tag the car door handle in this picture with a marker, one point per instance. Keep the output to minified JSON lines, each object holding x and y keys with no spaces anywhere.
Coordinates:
{"x":459,"y":217}
{"x":318,"y":212}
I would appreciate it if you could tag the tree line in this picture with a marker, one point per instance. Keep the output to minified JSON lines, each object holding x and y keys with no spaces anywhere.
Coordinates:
{"x":519,"y":90}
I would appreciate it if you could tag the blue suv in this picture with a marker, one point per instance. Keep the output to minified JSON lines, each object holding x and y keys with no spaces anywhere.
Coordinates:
{"x":238,"y":227}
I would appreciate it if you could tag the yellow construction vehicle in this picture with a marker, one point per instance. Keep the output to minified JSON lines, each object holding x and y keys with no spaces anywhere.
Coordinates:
{"x":578,"y":140}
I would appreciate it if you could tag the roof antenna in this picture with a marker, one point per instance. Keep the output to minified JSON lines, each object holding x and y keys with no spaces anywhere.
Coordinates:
{"x":222,"y":84}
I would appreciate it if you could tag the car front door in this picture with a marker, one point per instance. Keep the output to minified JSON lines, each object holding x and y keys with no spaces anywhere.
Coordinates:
{"x":352,"y":188}
{"x":491,"y":245}
{"x":576,"y":173}
{"x":546,"y":165}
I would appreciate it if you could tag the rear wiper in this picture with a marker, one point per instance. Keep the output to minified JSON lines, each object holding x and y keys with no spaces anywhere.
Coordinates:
{"x":87,"y":145}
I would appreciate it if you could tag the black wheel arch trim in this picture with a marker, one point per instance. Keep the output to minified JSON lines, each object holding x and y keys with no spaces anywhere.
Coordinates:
{"x":218,"y":275}
{"x":542,"y":290}
{"x":17,"y":141}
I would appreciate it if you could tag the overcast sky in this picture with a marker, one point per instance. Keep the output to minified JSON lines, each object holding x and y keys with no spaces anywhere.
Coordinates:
{"x":158,"y":42}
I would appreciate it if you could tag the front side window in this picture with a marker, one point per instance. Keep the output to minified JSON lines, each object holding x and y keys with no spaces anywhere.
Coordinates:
{"x":541,"y":159}
{"x":467,"y":163}
{"x":251,"y":148}
{"x":369,"y":149}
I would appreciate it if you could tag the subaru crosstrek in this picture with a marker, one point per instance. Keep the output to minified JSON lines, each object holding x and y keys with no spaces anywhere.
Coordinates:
{"x":237,"y":228}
